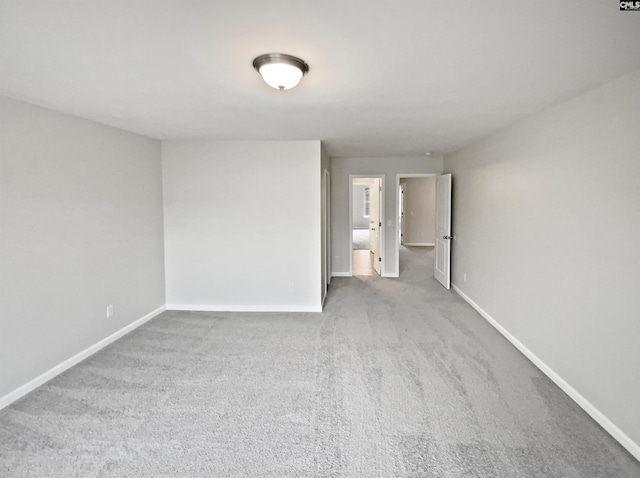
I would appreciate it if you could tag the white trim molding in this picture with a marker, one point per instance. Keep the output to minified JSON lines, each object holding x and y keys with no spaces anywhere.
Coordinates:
{"x":391,"y":274}
{"x":21,"y":391}
{"x":419,"y":244}
{"x":587,"y":406}
{"x":341,"y":274}
{"x":244,"y":308}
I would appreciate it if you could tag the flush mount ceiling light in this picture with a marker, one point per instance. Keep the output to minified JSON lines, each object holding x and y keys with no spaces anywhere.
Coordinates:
{"x":280,"y":71}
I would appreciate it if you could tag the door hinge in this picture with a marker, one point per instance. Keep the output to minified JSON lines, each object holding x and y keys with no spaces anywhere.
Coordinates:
{"x":379,"y":259}
{"x":379,"y":224}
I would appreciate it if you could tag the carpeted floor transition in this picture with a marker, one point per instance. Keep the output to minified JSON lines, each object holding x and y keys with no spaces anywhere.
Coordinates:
{"x":395,"y":378}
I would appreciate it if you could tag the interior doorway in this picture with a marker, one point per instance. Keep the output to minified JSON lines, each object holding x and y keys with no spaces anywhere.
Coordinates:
{"x":416,"y":194}
{"x":366,"y":213}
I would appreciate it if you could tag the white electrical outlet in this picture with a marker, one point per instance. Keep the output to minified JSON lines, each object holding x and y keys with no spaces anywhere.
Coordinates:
{"x":109,"y":311}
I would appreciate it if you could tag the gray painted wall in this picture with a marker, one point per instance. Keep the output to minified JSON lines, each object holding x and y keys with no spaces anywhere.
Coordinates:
{"x":360,"y":221}
{"x":242,"y":224}
{"x":341,"y":168}
{"x":546,"y":218}
{"x":80,"y":228}
{"x":420,"y":210}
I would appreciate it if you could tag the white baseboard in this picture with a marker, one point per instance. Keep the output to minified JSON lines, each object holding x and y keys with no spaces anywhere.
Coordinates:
{"x":419,"y":244}
{"x":341,"y":274}
{"x":391,"y":274}
{"x":244,"y":308}
{"x":20,"y":392}
{"x":587,"y":406}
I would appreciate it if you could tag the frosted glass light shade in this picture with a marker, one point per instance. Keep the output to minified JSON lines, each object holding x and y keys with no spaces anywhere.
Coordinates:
{"x":280,"y":71}
{"x":280,"y":75}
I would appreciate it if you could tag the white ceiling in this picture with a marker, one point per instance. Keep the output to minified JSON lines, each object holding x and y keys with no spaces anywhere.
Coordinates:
{"x":387,"y":78}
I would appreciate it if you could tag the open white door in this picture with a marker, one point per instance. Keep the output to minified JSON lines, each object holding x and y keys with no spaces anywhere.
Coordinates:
{"x":442,"y":270}
{"x":375,"y":222}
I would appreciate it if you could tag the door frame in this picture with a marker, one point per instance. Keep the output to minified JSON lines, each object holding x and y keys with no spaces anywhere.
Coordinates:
{"x":325,"y":212}
{"x":399,"y":176}
{"x":401,"y":221}
{"x":382,"y":220}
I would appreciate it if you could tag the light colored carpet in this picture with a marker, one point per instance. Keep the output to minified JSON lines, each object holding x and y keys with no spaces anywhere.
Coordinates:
{"x":360,"y":239}
{"x":396,"y":378}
